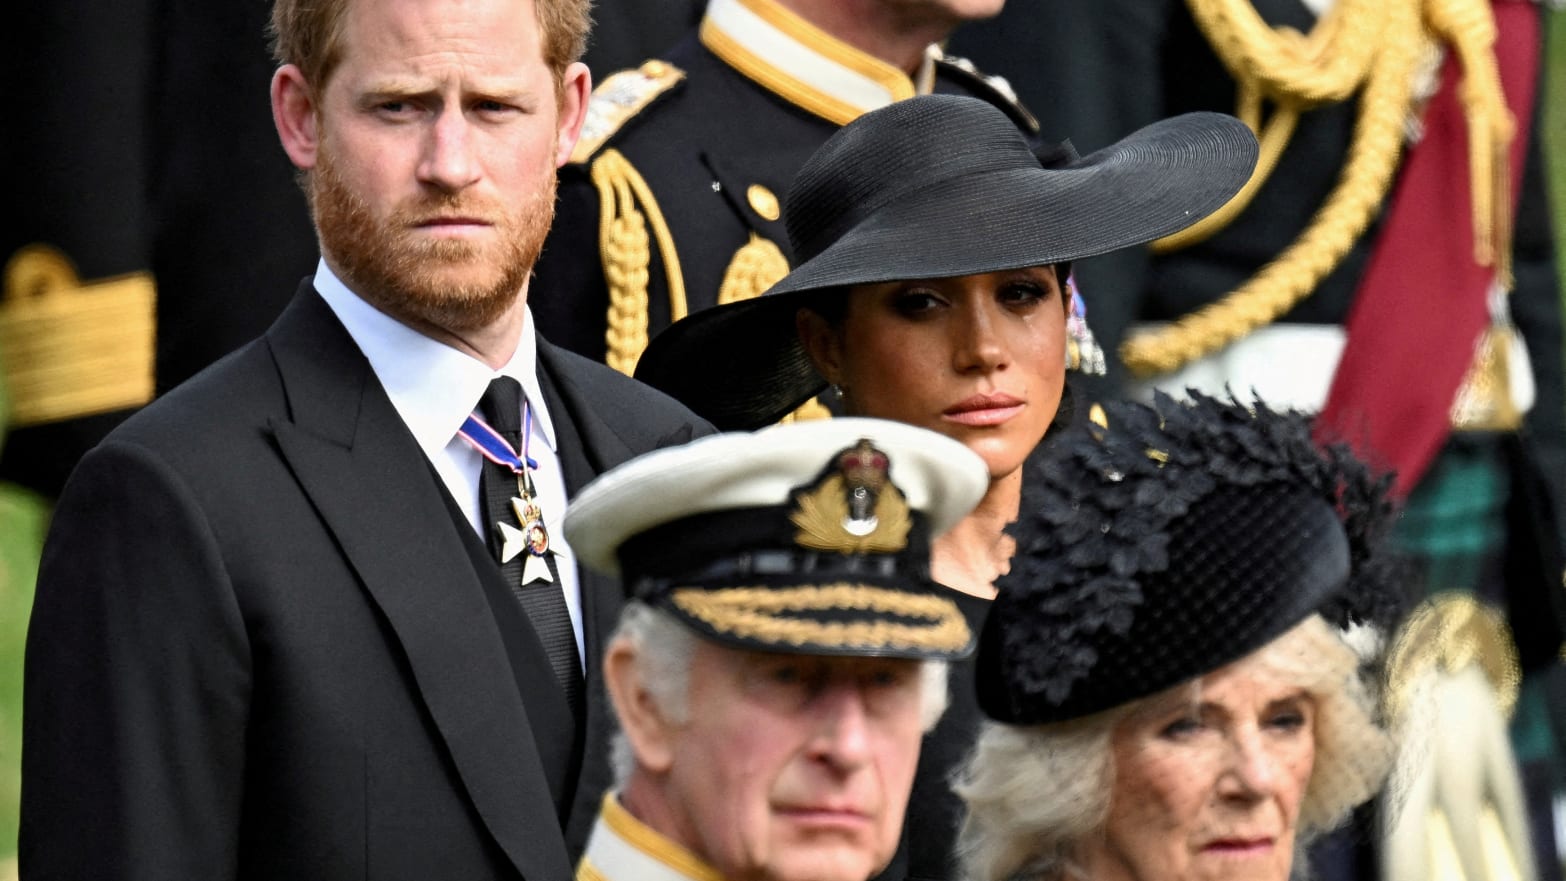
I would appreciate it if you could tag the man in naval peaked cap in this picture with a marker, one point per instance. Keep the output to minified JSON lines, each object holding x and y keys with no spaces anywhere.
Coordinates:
{"x":783,"y":651}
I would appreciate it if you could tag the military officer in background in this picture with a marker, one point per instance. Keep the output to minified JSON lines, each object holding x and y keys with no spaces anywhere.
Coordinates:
{"x":671,"y":202}
{"x":783,"y":650}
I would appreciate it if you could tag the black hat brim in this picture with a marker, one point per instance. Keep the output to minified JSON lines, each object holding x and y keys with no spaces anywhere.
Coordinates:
{"x":741,"y":365}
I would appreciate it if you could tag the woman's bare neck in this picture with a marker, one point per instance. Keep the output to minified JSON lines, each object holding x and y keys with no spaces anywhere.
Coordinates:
{"x":977,"y":550}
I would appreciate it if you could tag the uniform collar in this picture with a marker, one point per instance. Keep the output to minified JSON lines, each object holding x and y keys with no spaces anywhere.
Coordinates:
{"x":432,"y":385}
{"x":623,"y":848}
{"x":803,"y":64}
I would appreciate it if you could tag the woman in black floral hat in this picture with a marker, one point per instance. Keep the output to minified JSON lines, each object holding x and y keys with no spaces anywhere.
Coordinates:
{"x":1177,"y":663}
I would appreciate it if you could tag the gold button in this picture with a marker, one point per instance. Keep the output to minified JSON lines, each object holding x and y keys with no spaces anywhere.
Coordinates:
{"x":762,"y":200}
{"x":654,"y":68}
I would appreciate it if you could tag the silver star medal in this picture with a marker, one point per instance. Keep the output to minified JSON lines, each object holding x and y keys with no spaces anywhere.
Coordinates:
{"x":532,"y":539}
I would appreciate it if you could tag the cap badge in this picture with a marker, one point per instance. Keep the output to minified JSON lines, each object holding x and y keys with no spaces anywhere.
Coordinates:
{"x":853,"y":508}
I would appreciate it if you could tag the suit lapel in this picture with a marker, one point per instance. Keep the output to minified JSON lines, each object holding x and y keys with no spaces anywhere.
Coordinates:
{"x":369,"y":480}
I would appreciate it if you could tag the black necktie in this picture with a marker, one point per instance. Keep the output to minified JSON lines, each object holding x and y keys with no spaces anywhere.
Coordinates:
{"x":544,"y":602}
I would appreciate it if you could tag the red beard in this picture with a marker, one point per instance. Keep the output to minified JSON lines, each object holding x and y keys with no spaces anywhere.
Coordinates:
{"x":456,"y":286}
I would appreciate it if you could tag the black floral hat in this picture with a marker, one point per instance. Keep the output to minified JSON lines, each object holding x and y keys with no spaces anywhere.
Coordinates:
{"x":1179,"y":538}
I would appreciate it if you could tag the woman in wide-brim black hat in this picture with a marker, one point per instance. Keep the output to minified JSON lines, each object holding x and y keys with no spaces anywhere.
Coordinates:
{"x":933,"y":248}
{"x":1178,"y":664}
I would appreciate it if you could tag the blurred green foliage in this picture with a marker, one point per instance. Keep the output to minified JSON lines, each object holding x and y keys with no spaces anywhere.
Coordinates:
{"x":22,"y":520}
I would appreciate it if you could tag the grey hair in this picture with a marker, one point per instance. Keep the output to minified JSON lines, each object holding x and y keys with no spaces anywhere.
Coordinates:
{"x":664,"y":648}
{"x":1034,"y":793}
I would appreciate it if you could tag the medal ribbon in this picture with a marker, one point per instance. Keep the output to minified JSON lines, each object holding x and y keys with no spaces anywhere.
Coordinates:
{"x":497,"y":449}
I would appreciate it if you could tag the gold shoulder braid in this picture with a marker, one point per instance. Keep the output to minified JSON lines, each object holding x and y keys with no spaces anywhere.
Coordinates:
{"x":70,"y":348}
{"x":1374,"y":47}
{"x":627,"y":210}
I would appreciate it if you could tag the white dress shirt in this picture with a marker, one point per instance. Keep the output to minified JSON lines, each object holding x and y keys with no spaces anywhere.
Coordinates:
{"x":434,"y":388}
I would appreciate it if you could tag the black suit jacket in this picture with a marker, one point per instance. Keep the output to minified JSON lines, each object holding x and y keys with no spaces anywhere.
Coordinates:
{"x":262,"y":645}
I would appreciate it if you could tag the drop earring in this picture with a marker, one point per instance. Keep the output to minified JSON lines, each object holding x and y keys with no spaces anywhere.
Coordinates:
{"x":1083,"y":352}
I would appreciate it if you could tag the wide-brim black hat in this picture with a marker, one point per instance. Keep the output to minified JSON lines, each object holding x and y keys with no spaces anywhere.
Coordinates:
{"x":935,"y":187}
{"x":1174,"y":541}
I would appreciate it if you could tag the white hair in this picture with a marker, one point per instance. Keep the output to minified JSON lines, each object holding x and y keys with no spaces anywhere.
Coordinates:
{"x":664,"y":648}
{"x":1035,"y":792}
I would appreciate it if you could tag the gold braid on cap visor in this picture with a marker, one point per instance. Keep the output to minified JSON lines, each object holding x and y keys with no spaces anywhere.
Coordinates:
{"x":752,"y":613}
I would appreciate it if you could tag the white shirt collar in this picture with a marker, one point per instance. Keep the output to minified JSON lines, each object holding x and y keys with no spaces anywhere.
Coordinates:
{"x":433,"y":386}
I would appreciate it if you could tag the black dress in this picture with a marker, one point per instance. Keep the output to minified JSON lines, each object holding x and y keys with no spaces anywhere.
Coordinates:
{"x":927,"y":851}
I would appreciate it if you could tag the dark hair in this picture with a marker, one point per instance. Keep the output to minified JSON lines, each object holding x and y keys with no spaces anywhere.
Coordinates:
{"x":830,"y":303}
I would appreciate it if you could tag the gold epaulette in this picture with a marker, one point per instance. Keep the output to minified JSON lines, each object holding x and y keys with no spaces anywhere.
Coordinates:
{"x":68,"y":348}
{"x":618,"y":99}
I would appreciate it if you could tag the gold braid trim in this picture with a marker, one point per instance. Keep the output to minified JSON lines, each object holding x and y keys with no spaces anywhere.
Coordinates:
{"x":1372,"y":160}
{"x":748,"y":613}
{"x":806,"y":412}
{"x":1468,"y":27}
{"x":1292,"y":71}
{"x":1373,"y":43}
{"x":1328,"y":65}
{"x":70,"y":348}
{"x":642,"y":837}
{"x":627,"y":211}
{"x":756,"y":266}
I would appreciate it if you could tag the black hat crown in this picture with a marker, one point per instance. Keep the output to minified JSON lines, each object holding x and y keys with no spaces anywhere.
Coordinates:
{"x":1175,"y":540}
{"x":913,"y":146}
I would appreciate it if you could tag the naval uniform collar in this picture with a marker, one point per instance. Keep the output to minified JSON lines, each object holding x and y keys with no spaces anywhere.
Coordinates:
{"x":805,"y":65}
{"x":623,"y":848}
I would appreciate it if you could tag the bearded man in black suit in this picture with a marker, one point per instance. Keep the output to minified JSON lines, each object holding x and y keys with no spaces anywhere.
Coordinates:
{"x":290,"y":621}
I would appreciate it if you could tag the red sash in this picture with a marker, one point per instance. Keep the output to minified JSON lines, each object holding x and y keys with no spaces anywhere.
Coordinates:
{"x":1422,"y":303}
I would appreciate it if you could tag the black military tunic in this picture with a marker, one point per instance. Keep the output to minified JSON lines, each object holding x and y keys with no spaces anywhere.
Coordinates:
{"x":674,"y":193}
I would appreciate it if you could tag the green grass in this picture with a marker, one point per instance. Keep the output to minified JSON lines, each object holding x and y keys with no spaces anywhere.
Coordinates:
{"x":22,"y":519}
